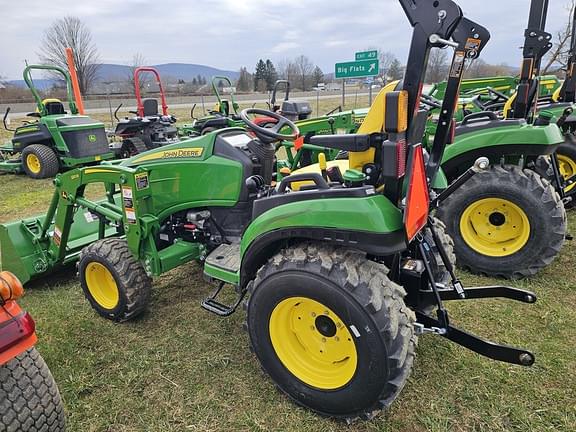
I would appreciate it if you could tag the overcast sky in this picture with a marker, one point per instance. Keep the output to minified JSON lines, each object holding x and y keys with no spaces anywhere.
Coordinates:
{"x":229,"y":34}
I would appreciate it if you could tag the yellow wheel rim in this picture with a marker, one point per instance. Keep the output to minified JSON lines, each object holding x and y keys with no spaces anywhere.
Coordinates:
{"x":33,"y":163}
{"x":567,"y":168}
{"x":495,"y":227}
{"x":102,"y":285}
{"x":313,"y":343}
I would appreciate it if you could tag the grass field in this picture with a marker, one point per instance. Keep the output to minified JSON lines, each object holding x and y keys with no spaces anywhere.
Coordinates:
{"x":179,"y":368}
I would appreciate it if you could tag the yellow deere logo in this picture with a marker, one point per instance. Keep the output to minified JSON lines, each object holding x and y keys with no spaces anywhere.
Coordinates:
{"x":92,"y":138}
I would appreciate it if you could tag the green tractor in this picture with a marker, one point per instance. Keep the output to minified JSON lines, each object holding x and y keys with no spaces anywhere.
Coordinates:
{"x":224,"y":114}
{"x":507,"y":221}
{"x":57,"y":140}
{"x":341,"y":277}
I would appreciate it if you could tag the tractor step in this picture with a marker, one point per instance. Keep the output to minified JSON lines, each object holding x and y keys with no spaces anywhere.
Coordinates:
{"x":225,"y":257}
{"x":220,"y":309}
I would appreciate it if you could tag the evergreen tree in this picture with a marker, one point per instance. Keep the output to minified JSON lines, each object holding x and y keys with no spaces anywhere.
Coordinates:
{"x":395,"y":71}
{"x":270,"y":75}
{"x":244,"y":83}
{"x":259,"y":74}
{"x":317,"y":75}
{"x":194,"y":82}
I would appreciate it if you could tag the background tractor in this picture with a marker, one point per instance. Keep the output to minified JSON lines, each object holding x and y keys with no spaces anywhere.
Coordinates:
{"x":57,"y":140}
{"x":507,"y":221}
{"x":342,"y":277}
{"x":149,"y":129}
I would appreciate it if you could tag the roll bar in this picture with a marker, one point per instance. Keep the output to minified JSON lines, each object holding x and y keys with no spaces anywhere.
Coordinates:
{"x":215,"y":81}
{"x":140,"y":105}
{"x":277,"y":84}
{"x":27,"y":74}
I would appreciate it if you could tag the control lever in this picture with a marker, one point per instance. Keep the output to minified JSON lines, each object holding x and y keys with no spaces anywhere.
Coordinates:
{"x":323,"y":166}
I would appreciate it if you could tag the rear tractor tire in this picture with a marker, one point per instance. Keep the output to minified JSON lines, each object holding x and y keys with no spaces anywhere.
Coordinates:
{"x":40,"y":161}
{"x":113,"y":281}
{"x":505,"y":222}
{"x":29,"y":397}
{"x":331,"y":330}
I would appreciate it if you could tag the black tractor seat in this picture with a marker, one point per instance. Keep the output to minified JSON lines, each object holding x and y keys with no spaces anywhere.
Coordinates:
{"x":484,"y":120}
{"x":150,"y":107}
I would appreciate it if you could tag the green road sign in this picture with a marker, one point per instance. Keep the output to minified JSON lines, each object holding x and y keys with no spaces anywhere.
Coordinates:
{"x":366,"y":55}
{"x":357,"y":69}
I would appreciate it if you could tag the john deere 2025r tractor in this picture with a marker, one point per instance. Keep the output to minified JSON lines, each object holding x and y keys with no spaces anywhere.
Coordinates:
{"x":57,"y":140}
{"x":342,"y":277}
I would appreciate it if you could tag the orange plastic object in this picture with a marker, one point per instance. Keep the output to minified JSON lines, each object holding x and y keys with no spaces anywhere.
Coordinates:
{"x":74,"y":76}
{"x":418,"y":199}
{"x":10,"y":286}
{"x":10,"y":312}
{"x":298,"y":143}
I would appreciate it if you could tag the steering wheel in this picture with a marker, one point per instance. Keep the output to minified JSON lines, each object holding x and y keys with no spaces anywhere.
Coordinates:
{"x":269,"y":134}
{"x":497,"y":95}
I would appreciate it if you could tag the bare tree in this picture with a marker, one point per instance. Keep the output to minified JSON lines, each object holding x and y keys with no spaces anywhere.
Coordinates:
{"x":558,"y":56}
{"x":137,"y":60}
{"x":70,"y":32}
{"x":437,"y":66}
{"x":304,"y":67}
{"x":287,"y":70}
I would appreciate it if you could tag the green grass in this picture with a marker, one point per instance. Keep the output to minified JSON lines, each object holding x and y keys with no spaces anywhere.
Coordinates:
{"x":179,"y":368}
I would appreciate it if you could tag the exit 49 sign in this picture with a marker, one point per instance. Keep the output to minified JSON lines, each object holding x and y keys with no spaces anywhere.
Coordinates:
{"x":357,"y":69}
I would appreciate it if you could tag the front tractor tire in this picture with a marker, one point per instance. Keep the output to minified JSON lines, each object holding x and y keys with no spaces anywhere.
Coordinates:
{"x":331,"y":330}
{"x":40,"y":161}
{"x":29,"y":397}
{"x":505,"y":222}
{"x":113,"y":281}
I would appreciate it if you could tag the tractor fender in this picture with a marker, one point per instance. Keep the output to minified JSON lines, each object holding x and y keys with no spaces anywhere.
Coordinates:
{"x":504,"y":139}
{"x":31,"y":134}
{"x":371,"y":224}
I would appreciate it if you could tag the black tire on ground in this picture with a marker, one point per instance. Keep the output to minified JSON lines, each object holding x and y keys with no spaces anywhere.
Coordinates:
{"x":528,"y":191}
{"x":49,"y":165}
{"x":132,"y":283}
{"x":29,"y":397}
{"x":368,"y":304}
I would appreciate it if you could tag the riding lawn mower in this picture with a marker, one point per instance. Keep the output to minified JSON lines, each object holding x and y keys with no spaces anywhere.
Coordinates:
{"x":149,"y":129}
{"x":56,"y":141}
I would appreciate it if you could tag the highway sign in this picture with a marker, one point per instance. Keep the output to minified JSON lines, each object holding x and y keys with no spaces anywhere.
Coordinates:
{"x":367,"y":55}
{"x":357,"y":69}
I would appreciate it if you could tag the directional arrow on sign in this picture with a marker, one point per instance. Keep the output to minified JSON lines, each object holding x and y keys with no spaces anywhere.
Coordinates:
{"x":372,"y":67}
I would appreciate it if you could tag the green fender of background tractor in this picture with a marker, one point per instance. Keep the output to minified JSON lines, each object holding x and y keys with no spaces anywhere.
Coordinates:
{"x":496,"y":142}
{"x":503,"y":84}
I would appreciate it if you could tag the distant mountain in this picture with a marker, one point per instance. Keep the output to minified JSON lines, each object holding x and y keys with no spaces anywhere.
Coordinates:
{"x":184,"y":71}
{"x":115,"y":72}
{"x":41,"y":84}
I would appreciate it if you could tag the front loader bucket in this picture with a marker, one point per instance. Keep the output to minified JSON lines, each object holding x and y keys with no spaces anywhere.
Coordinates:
{"x":20,"y":251}
{"x":24,"y":253}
